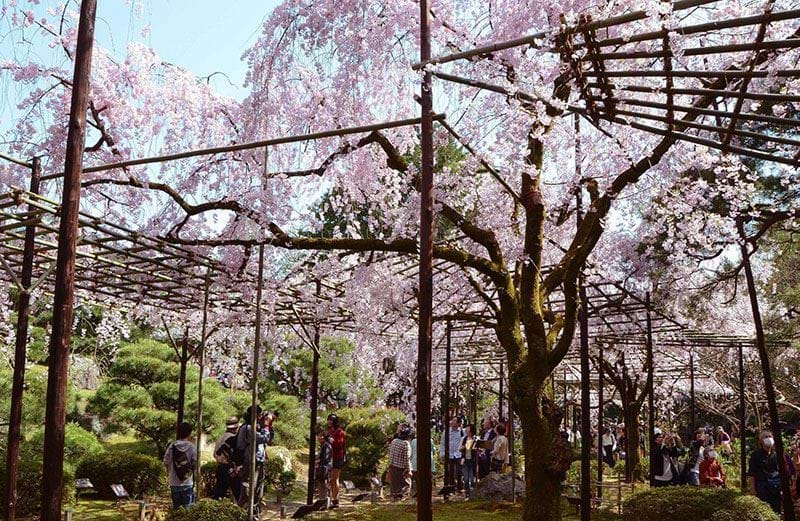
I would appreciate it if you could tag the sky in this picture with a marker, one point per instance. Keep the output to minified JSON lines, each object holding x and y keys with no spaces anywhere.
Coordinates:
{"x":203,"y":36}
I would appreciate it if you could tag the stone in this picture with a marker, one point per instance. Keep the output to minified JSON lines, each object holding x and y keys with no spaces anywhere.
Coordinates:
{"x":497,"y":487}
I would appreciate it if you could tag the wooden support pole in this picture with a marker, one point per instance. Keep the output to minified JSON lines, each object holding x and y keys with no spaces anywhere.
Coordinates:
{"x":448,"y":478}
{"x":500,"y":396}
{"x":64,"y":291}
{"x":742,"y":420}
{"x":583,"y":320}
{"x":600,"y":403}
{"x":763,"y":355}
{"x":314,"y":391}
{"x":20,"y":356}
{"x":182,"y":377}
{"x":651,"y":413}
{"x":254,"y":388}
{"x":425,"y":295}
{"x":692,"y":409}
{"x":201,"y":361}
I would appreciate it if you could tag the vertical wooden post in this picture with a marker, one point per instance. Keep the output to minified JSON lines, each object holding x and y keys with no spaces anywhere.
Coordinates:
{"x":742,"y":420}
{"x":182,"y":378}
{"x":600,"y":403}
{"x":20,"y":348}
{"x":201,"y":359}
{"x":425,"y":295}
{"x":64,"y":291}
{"x":500,"y":399}
{"x":583,"y":320}
{"x":254,"y":386}
{"x":511,"y":458}
{"x":448,"y":478}
{"x":692,"y":410}
{"x":651,"y":412}
{"x":766,"y":369}
{"x":312,"y":443}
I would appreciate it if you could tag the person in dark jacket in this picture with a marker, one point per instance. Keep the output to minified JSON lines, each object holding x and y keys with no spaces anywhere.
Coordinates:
{"x":246,"y":443}
{"x":665,"y":453}
{"x":324,"y":464}
{"x":484,"y":455}
{"x":763,"y":474}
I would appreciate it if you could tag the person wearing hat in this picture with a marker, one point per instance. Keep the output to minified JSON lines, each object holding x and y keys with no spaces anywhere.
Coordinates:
{"x":224,"y":450}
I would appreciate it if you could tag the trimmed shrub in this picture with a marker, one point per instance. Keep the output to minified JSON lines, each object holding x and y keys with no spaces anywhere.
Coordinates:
{"x":29,"y":483}
{"x":696,"y":503}
{"x":209,"y":510}
{"x":139,"y":474}
{"x":368,"y":434}
{"x":292,"y":425}
{"x":78,"y":443}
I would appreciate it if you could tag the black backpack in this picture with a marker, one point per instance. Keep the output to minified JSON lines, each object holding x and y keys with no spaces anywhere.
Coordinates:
{"x":181,"y":464}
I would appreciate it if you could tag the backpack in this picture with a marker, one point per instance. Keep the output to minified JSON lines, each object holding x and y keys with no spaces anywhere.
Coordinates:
{"x":226,"y":452}
{"x":181,"y":464}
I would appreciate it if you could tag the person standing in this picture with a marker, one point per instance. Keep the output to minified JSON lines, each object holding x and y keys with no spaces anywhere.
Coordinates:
{"x":339,"y":447}
{"x":484,"y":454}
{"x":696,"y":457}
{"x":180,"y":461}
{"x":322,"y":470}
{"x":712,"y":474}
{"x":499,"y":452}
{"x":400,"y":463}
{"x":665,"y":472}
{"x":469,"y":460}
{"x":763,"y":475}
{"x":453,"y":459}
{"x":246,"y":443}
{"x":224,"y":453}
{"x":609,"y":444}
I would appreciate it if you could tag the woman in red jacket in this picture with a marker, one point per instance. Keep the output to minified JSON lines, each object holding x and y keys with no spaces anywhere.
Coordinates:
{"x":711,"y":472}
{"x":339,"y":444}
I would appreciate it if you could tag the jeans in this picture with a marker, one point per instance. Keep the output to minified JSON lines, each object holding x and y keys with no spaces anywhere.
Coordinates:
{"x":454,"y":465}
{"x":468,"y":471}
{"x":770,"y":493}
{"x":244,"y":490}
{"x":694,"y":478}
{"x":225,"y":481}
{"x":182,"y":496}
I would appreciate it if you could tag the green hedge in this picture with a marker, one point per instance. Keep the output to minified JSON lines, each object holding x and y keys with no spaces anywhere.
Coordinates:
{"x":696,"y":503}
{"x":368,"y":433}
{"x":78,"y":442}
{"x":29,"y":482}
{"x":139,"y":474}
{"x":209,"y":510}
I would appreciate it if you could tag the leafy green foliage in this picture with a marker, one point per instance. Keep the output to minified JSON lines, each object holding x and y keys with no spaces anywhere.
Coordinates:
{"x":142,"y":394}
{"x":29,"y":480}
{"x":209,"y":510}
{"x":78,"y":443}
{"x":292,"y":425}
{"x":139,"y":474}
{"x":696,"y":503}
{"x":368,"y":434}
{"x":341,"y":379}
{"x":35,"y":394}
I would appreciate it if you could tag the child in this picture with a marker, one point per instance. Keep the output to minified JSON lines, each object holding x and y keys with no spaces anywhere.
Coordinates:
{"x":324,"y":464}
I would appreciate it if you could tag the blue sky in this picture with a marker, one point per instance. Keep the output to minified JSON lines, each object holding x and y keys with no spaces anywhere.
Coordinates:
{"x":204,"y":36}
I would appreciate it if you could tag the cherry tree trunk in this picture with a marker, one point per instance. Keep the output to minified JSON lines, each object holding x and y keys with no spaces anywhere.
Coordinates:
{"x":547,"y":455}
{"x":633,"y":470}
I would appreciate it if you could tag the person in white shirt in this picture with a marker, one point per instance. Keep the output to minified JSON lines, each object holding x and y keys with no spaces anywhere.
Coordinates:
{"x":453,"y":459}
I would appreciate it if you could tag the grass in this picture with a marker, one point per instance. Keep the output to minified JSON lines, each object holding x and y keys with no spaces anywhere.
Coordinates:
{"x":129,"y":443}
{"x":474,"y":511}
{"x":97,"y":510}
